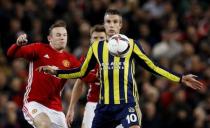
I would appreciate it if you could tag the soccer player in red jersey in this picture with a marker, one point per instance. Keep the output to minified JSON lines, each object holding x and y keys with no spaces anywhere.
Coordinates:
{"x":97,"y":33}
{"x":42,"y":100}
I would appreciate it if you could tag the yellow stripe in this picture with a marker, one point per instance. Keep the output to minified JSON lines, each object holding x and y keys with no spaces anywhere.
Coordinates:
{"x":154,"y":67}
{"x":126,"y":79}
{"x":116,"y":81}
{"x":83,"y":68}
{"x":139,"y":114}
{"x":95,"y":52}
{"x":106,"y":78}
{"x":126,"y":69}
{"x":95,"y":49}
{"x":134,"y":84}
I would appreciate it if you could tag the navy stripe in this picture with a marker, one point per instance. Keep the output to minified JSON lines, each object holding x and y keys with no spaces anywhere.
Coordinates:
{"x":130,"y":84}
{"x":100,"y":56}
{"x":121,"y":82}
{"x":91,"y":65}
{"x":111,"y":77}
{"x":73,"y":70}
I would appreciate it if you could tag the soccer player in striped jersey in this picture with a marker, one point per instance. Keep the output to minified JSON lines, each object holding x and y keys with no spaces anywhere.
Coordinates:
{"x":42,"y":100}
{"x":118,"y":90}
{"x":97,"y":33}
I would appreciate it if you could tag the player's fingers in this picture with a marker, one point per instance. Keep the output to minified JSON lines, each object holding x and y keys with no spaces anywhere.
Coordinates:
{"x":22,"y":40}
{"x":199,"y":86}
{"x":24,"y":35}
{"x":39,"y":69}
{"x":197,"y":83}
{"x":193,"y":76}
{"x":68,"y":122}
{"x":192,"y":86}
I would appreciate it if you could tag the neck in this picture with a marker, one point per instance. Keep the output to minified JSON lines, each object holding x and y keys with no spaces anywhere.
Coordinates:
{"x":58,"y":50}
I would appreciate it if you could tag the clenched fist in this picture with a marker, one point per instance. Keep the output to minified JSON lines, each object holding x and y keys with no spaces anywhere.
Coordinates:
{"x":22,"y":39}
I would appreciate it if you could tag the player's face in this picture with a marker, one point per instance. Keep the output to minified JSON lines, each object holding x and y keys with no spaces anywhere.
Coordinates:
{"x":58,"y":38}
{"x":98,"y":36}
{"x":112,"y":24}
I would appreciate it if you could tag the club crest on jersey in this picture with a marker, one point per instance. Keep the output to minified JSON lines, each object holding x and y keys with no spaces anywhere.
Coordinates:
{"x":34,"y":111}
{"x":66,"y":63}
{"x":131,"y":109}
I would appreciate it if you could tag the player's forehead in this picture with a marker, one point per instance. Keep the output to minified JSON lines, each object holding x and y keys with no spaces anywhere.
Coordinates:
{"x":98,"y":34}
{"x":59,"y":30}
{"x":112,"y":17}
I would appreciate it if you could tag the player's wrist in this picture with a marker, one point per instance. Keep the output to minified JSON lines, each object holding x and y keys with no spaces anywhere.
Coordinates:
{"x":181,"y":79}
{"x":55,"y":72}
{"x":71,"y":107}
{"x":18,"y":44}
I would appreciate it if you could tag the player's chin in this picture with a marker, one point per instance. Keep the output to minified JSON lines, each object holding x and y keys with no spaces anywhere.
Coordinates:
{"x":112,"y":33}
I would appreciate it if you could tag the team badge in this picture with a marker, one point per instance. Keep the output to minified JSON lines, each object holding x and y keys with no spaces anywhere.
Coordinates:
{"x":131,"y":109}
{"x":34,"y":111}
{"x":66,"y":63}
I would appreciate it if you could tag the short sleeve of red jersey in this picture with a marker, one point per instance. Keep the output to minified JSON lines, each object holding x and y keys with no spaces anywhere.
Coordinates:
{"x":29,"y":52}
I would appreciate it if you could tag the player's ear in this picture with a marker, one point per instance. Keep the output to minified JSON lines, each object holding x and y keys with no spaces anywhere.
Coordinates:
{"x":49,"y":38}
{"x":121,"y":22}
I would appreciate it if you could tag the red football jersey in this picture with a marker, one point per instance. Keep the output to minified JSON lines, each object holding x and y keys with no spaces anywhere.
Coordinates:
{"x":44,"y":88}
{"x":94,"y":84}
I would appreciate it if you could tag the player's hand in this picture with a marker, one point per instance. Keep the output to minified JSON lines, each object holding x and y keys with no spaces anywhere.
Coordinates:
{"x":190,"y":81}
{"x":47,"y":69}
{"x":22,"y":39}
{"x":70,"y":117}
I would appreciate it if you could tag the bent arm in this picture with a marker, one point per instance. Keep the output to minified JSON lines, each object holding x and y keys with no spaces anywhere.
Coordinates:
{"x":27,"y":52}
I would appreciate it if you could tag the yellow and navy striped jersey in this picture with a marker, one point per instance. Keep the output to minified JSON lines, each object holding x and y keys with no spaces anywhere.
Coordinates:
{"x":117,"y":81}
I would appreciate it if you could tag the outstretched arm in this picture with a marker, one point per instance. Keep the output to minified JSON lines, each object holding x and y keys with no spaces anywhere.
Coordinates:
{"x":188,"y":80}
{"x":79,"y":72}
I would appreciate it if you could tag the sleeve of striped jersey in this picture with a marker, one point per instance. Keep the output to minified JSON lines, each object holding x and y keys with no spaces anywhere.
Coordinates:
{"x":148,"y":64}
{"x":81,"y":71}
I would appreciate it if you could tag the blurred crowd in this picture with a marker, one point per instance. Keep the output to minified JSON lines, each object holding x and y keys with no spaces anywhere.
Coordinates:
{"x":174,"y":33}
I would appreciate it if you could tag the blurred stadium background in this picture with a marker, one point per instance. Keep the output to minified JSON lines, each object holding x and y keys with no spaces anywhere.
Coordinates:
{"x":175,"y":33}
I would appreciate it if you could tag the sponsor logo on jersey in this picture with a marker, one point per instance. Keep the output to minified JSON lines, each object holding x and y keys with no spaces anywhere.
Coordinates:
{"x":66,"y":63}
{"x":112,"y":65}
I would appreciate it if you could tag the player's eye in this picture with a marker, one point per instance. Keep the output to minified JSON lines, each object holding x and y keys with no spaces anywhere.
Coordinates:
{"x":108,"y":21}
{"x":115,"y":21}
{"x":58,"y":34}
{"x":101,"y":38}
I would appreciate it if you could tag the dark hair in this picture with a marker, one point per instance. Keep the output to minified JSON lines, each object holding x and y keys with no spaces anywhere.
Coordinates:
{"x":59,"y":23}
{"x":97,"y":28}
{"x":112,"y":11}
